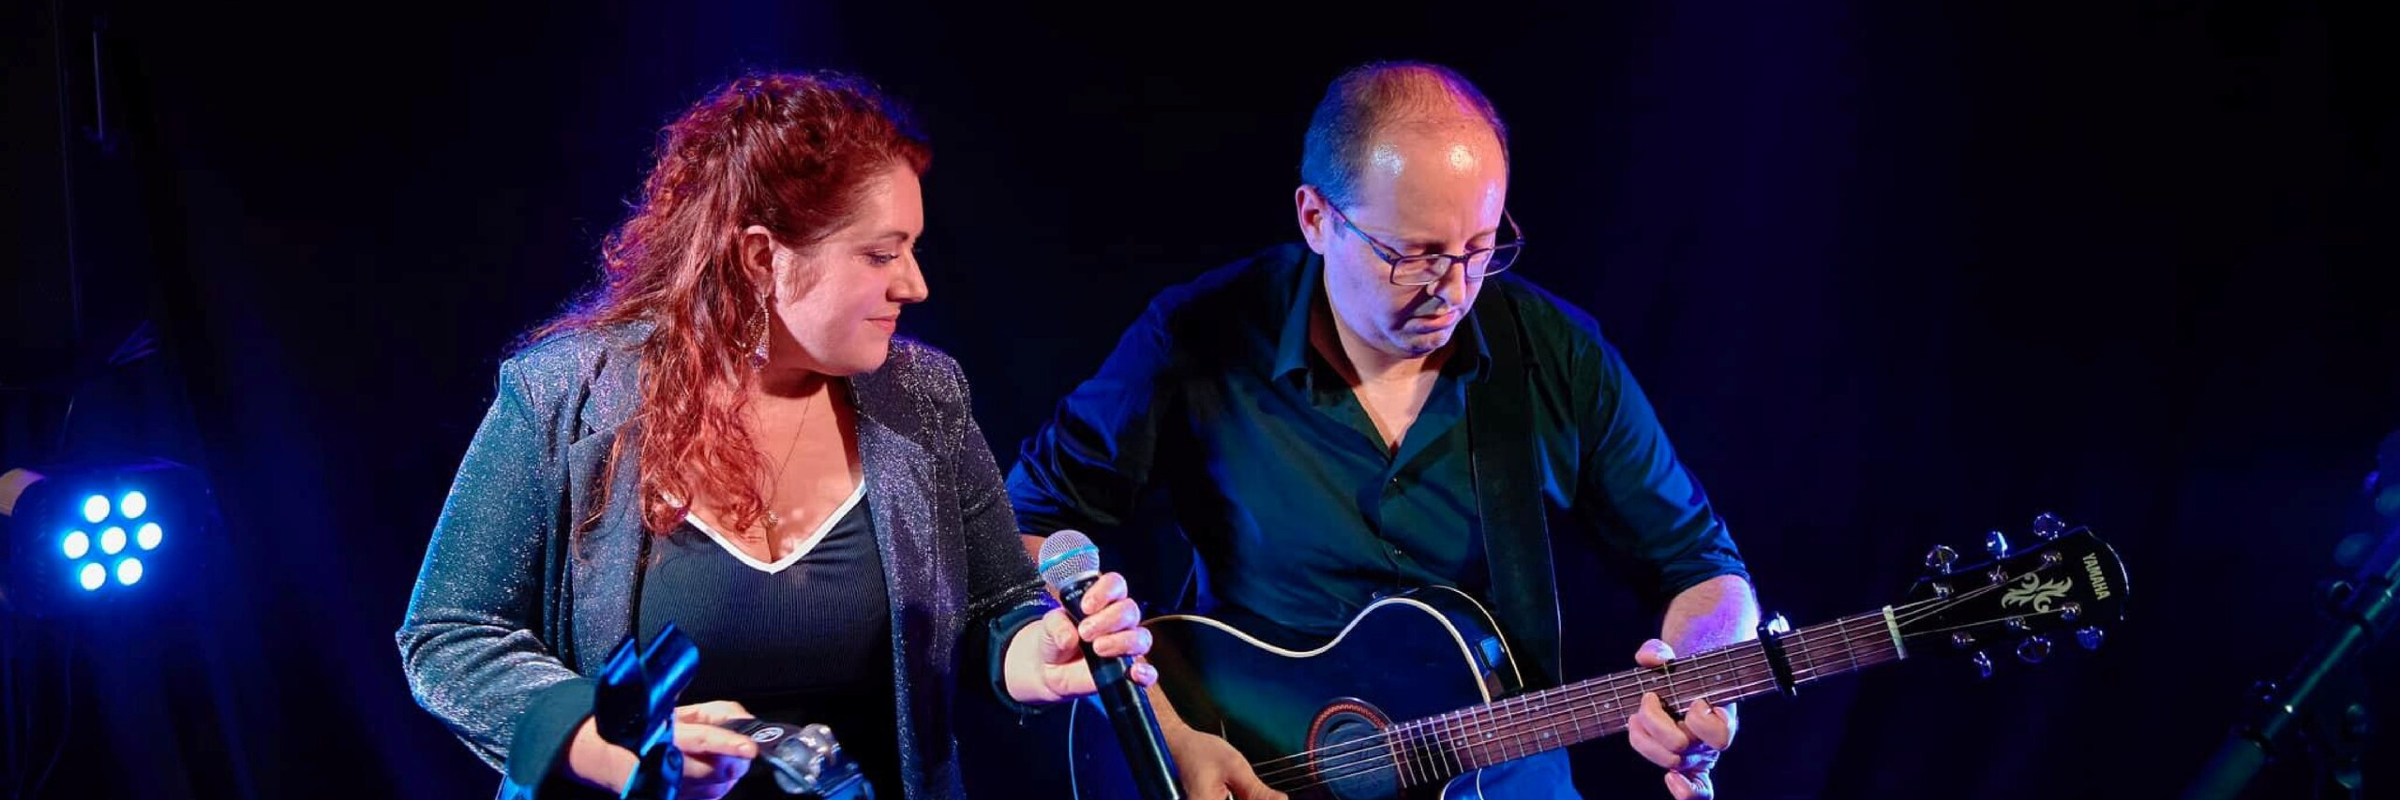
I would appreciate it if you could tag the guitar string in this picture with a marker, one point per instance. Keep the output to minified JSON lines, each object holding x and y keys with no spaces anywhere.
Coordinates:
{"x":1335,"y":762}
{"x":1519,"y":709}
{"x":1579,"y":703}
{"x":1332,"y":765}
{"x":1342,"y":769}
{"x":1330,"y":761}
{"x":1699,"y":662}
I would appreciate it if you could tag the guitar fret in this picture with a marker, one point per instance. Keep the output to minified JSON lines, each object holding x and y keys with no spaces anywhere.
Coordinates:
{"x":1537,"y":709}
{"x":1445,"y":758}
{"x":1432,"y":731}
{"x":1497,"y":714}
{"x":1626,"y":705}
{"x":1513,"y":744}
{"x":1578,"y":719}
{"x":1464,"y":752}
{"x":1818,"y":669}
{"x":1496,"y":748}
{"x":1849,"y":644}
{"x":1489,"y":746}
{"x":1534,"y":711}
{"x":1453,"y":743}
{"x":1470,"y":745}
{"x":1852,"y":641}
{"x":1844,"y":646}
{"x":1430,"y":742}
{"x":1477,"y":736}
{"x":1429,"y":745}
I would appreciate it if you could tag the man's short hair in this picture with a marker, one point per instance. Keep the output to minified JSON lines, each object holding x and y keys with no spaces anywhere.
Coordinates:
{"x":1372,"y":96}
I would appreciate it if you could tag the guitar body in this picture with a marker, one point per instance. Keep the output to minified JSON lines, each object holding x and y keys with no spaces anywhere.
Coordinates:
{"x":1425,"y":652}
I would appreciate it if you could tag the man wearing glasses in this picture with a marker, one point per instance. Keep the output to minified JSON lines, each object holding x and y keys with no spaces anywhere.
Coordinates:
{"x":1380,"y":409}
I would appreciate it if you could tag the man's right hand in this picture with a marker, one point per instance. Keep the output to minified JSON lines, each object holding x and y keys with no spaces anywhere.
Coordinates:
{"x":1212,"y":769}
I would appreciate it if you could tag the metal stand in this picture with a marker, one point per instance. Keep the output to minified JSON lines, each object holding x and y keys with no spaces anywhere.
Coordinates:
{"x":634,"y":707}
{"x":2363,"y":609}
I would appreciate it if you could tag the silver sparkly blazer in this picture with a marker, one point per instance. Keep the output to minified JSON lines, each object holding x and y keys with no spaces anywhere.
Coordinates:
{"x":510,"y":609}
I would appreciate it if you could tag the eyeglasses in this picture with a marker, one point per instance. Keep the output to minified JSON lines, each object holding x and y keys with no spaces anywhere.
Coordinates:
{"x":1430,"y":268}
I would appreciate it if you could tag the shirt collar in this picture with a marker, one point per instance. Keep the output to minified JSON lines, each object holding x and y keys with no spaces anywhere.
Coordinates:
{"x":1292,"y":349}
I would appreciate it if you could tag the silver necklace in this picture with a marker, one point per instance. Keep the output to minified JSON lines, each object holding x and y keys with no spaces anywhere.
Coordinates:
{"x":774,"y":520}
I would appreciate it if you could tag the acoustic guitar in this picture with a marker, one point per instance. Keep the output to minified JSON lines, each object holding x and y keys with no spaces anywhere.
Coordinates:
{"x":1419,"y":690}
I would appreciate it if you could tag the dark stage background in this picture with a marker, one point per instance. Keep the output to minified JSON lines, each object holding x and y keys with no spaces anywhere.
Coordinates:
{"x":1894,"y":274}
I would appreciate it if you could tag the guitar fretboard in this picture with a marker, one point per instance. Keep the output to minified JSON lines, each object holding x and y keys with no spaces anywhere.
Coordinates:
{"x":1435,"y":748}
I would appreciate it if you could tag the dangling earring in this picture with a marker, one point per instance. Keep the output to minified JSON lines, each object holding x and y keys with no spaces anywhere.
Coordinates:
{"x":758,"y":347}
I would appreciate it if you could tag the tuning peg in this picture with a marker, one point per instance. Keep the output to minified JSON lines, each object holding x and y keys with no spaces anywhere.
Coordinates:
{"x":2090,"y":637}
{"x":2048,"y":526}
{"x":1983,"y":664}
{"x":2033,"y":649}
{"x":1962,"y":639}
{"x":1996,"y":543}
{"x":1940,"y":558}
{"x":2070,"y":611}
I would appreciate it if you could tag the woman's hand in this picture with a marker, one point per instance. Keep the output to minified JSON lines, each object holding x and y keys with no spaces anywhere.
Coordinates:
{"x":1045,"y":661}
{"x":713,"y":757}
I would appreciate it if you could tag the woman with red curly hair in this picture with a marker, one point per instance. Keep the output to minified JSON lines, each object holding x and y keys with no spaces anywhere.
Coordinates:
{"x":727,"y":436}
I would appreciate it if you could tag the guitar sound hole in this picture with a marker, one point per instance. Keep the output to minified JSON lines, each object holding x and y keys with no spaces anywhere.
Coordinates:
{"x":1353,"y":762}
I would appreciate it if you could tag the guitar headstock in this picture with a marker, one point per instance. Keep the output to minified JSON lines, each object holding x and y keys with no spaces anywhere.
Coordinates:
{"x":2066,"y":585}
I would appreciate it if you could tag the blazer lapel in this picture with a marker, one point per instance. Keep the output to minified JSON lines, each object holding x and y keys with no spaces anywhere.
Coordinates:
{"x":604,"y":563}
{"x":899,"y":477}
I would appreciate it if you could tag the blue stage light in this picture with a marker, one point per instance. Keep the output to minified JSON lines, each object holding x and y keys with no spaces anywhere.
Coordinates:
{"x":83,"y":537}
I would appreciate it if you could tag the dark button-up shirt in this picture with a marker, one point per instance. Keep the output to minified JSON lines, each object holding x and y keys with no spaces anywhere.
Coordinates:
{"x":1299,"y":513}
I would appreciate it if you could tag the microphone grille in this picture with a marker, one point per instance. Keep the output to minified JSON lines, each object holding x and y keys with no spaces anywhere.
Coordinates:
{"x":1066,"y":556}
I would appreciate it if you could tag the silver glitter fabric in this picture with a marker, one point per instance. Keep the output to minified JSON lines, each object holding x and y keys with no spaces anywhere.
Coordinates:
{"x":509,"y":604}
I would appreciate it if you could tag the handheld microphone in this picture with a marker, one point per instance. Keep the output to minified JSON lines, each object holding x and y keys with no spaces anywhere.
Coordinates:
{"x":1070,"y":564}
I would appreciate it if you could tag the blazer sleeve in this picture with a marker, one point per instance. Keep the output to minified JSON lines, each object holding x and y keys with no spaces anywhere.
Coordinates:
{"x":1004,"y":593}
{"x":468,"y":644}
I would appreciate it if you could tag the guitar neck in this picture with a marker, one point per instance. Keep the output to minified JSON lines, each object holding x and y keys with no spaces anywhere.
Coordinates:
{"x":1473,"y":738}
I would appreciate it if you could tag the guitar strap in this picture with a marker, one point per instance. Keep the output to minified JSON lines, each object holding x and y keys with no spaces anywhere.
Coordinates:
{"x":1509,"y":512}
